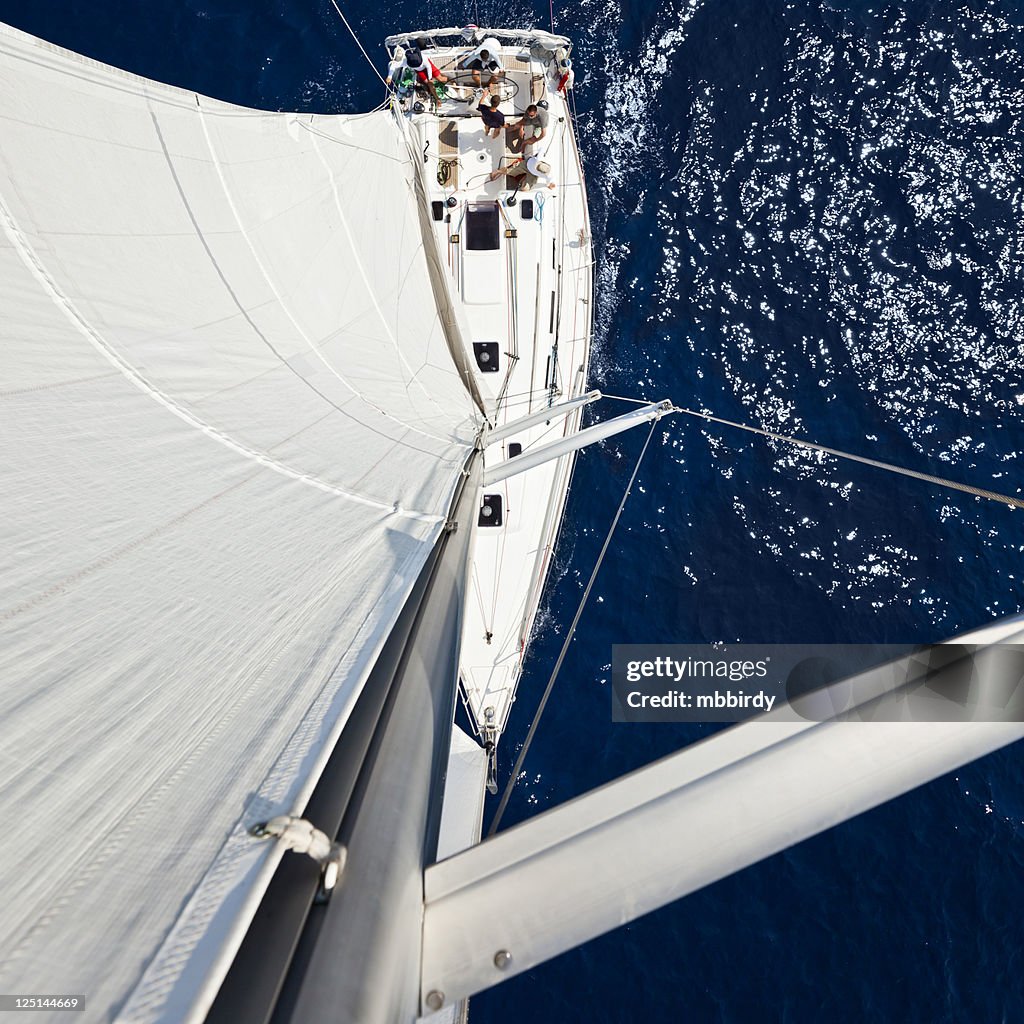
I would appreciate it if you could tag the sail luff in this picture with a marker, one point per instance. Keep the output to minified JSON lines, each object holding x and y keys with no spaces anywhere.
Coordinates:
{"x":454,"y":330}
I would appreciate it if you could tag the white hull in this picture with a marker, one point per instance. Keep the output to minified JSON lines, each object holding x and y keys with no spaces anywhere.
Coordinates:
{"x":533,"y":296}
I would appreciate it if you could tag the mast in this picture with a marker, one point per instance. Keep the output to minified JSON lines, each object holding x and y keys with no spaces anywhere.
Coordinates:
{"x":361,"y":951}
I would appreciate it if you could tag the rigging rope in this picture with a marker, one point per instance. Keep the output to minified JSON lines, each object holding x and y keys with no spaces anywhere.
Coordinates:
{"x":302,"y":836}
{"x":979,"y":492}
{"x":939,"y":481}
{"x":510,"y":785}
{"x":359,"y":44}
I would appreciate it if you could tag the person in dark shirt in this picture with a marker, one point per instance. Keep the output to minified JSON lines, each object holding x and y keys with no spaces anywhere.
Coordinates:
{"x":494,"y":119}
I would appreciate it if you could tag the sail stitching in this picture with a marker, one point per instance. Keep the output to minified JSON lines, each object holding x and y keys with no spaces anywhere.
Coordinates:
{"x":280,"y":300}
{"x":64,"y":303}
{"x":366,"y":280}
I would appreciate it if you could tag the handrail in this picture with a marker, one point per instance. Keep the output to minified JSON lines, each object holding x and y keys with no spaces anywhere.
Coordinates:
{"x":526,"y":35}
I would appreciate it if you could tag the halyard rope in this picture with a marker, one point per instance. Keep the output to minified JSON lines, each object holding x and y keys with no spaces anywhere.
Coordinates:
{"x":510,"y":785}
{"x":359,"y":44}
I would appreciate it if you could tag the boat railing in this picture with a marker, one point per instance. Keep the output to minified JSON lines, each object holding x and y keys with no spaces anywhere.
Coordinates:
{"x":454,"y":37}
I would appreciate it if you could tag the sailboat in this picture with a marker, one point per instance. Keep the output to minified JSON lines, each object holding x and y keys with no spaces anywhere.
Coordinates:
{"x":290,"y":404}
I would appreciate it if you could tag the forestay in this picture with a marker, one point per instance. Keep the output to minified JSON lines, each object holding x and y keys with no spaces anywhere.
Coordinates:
{"x":231,"y":433}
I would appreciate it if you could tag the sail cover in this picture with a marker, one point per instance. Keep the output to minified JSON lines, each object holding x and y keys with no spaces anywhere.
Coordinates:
{"x":231,"y":432}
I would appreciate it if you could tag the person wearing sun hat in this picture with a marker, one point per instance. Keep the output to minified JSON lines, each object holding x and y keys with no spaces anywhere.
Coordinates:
{"x":535,"y":171}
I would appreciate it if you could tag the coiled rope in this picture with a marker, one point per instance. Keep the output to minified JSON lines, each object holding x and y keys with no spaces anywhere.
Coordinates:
{"x":511,"y":784}
{"x":444,"y":172}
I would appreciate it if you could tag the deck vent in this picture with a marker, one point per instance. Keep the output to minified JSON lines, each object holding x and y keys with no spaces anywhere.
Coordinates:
{"x":486,"y":353}
{"x":490,"y":511}
{"x":526,"y":209}
{"x":514,"y":449}
{"x":437,"y":209}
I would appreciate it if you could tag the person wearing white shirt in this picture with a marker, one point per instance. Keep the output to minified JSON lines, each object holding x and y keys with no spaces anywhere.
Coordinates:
{"x":423,"y":69}
{"x":486,"y":57}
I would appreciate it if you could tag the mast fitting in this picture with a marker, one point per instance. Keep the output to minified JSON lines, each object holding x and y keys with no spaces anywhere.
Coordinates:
{"x":300,"y":836}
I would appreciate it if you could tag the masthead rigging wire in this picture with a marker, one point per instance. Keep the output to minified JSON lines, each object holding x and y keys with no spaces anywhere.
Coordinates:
{"x":341,"y":15}
{"x":511,"y":784}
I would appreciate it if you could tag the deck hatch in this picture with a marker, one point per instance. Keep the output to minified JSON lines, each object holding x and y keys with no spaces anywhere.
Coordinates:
{"x":486,"y":354}
{"x":490,"y":511}
{"x":482,"y":227}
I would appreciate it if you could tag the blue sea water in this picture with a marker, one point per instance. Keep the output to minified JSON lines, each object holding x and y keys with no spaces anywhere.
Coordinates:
{"x":808,"y":217}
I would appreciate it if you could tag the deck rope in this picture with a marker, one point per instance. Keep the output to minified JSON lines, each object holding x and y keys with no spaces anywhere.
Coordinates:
{"x":511,"y":784}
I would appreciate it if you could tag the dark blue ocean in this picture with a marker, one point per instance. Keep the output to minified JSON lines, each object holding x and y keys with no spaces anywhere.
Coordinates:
{"x":808,"y":217}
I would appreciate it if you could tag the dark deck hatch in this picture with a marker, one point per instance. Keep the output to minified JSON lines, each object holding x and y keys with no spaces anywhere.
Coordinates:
{"x":486,"y":354}
{"x":490,"y":511}
{"x":482,"y":226}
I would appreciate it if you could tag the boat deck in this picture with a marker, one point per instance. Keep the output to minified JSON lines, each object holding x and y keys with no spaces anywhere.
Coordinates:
{"x":519,"y":261}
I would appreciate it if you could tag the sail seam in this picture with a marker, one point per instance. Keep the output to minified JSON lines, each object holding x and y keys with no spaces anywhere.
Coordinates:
{"x":362,"y":273}
{"x":218,"y":167}
{"x":28,"y":256}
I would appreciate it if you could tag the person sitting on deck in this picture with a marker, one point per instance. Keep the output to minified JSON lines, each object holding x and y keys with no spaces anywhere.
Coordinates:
{"x":533,"y":169}
{"x":422,"y":67}
{"x":486,"y":57}
{"x":494,"y":119}
{"x":533,"y":125}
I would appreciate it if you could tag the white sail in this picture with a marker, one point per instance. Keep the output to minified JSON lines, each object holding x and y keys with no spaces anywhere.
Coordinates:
{"x":231,"y":432}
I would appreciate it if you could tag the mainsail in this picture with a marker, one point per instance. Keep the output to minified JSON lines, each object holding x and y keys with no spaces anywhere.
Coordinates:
{"x":232,"y":432}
